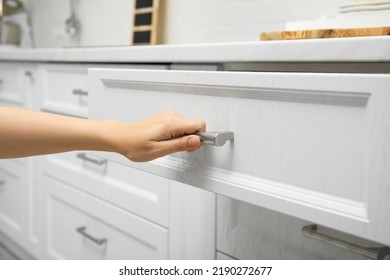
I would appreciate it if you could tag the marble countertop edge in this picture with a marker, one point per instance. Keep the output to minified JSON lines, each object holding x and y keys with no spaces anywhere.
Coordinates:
{"x":359,"y":49}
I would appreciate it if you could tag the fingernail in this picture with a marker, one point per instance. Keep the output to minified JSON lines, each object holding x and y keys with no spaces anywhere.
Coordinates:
{"x":192,"y":142}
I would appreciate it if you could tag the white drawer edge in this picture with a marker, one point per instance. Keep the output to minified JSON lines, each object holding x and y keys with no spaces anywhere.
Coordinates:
{"x":251,"y":189}
{"x":256,"y":190}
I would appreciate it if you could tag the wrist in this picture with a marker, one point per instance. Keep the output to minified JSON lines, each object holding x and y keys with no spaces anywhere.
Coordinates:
{"x":110,"y":132}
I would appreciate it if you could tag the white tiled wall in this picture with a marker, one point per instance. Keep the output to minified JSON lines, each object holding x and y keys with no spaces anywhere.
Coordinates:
{"x":108,"y":22}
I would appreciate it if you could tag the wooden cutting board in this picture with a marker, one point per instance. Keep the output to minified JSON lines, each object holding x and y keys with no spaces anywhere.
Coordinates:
{"x":325,"y":33}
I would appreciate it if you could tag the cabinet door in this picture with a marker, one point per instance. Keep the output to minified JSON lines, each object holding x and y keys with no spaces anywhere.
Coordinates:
{"x":314,"y":146}
{"x":79,"y":226}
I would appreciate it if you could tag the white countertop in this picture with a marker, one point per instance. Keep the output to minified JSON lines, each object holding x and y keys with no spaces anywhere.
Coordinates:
{"x":367,"y":49}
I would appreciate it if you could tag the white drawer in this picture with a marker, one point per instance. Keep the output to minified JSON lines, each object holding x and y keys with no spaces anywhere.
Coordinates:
{"x":143,"y":194}
{"x":64,"y":89}
{"x":10,"y":89}
{"x":79,"y":226}
{"x":245,"y":231}
{"x":309,"y":145}
{"x":12,"y":194}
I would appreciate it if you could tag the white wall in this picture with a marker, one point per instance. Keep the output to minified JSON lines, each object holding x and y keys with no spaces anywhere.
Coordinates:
{"x":109,"y":22}
{"x":103,"y":22}
{"x":189,"y":21}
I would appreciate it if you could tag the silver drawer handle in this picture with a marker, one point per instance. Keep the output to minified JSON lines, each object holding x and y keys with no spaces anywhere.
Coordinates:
{"x":78,"y":91}
{"x":83,"y":232}
{"x":379,"y":253}
{"x":28,"y":73}
{"x":2,"y":182}
{"x":215,"y":138}
{"x":85,"y":157}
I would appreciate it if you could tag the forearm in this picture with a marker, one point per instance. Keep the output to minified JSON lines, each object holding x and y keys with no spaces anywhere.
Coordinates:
{"x":27,"y":133}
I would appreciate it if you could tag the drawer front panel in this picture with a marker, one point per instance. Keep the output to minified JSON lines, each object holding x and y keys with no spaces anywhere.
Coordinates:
{"x":141,"y":193}
{"x":65,"y":89}
{"x":10,"y":88}
{"x":309,"y":145}
{"x":82,"y":227}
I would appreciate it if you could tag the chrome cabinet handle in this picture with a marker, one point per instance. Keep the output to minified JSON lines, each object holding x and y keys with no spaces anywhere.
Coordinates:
{"x":85,"y":157}
{"x":2,"y":182}
{"x":215,"y":138}
{"x":81,"y":92}
{"x":379,"y":253}
{"x":83,"y":232}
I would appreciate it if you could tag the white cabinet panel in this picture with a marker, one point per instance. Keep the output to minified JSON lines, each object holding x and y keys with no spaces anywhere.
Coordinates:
{"x":191,"y":223}
{"x":309,"y":145}
{"x":136,"y":191}
{"x":11,"y":90}
{"x":79,"y":226}
{"x":12,"y":193}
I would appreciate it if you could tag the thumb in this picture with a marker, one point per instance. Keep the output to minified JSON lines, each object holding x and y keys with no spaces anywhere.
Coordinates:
{"x":185,"y":143}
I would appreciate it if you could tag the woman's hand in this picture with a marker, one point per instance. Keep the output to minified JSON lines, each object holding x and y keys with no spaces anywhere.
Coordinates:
{"x":157,"y":136}
{"x":28,"y":133}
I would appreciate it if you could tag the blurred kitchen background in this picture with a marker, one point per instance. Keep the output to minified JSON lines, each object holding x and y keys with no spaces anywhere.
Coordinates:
{"x":73,"y":23}
{"x":48,"y":202}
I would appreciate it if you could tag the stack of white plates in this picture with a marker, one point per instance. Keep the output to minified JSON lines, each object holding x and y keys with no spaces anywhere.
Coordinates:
{"x":365,"y":6}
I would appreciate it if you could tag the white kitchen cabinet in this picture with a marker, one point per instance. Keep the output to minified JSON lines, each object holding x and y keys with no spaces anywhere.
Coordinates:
{"x":145,"y":198}
{"x":313,"y":146}
{"x":308,"y":148}
{"x":79,"y":226}
{"x":18,"y":191}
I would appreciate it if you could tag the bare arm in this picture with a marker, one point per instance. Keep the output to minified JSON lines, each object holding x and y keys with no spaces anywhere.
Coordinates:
{"x":27,"y":133}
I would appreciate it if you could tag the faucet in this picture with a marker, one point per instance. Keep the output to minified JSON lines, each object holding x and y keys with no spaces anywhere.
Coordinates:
{"x":71,"y":23}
